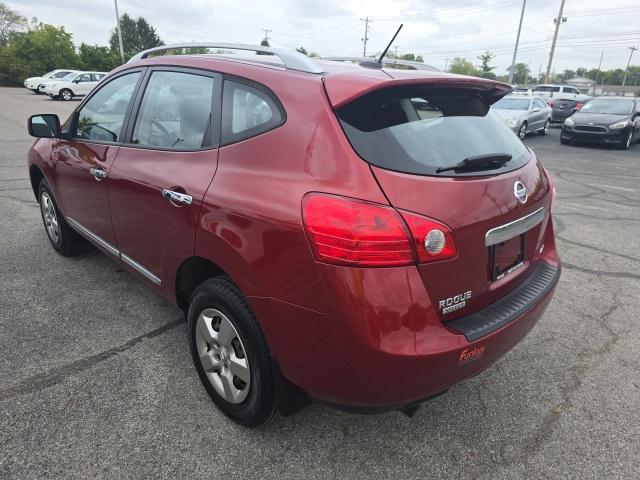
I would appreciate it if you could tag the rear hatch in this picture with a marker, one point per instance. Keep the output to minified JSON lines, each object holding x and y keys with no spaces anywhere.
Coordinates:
{"x":411,"y":133}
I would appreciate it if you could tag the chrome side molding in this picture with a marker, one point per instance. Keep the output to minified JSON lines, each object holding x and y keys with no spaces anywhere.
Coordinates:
{"x":142,"y":270}
{"x":89,"y":235}
{"x":513,"y":229}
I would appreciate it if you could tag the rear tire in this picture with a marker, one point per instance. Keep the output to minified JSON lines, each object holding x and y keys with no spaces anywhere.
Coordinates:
{"x":224,"y":333}
{"x":66,"y":241}
{"x":545,"y":129}
{"x":65,"y":94}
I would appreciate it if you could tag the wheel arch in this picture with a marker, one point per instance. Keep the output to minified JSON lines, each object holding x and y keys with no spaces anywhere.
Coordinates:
{"x":35,"y":177}
{"x":191,"y":273}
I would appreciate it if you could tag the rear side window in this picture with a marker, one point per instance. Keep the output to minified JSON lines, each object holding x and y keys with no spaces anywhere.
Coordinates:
{"x":418,"y":130}
{"x":247,"y":112}
{"x":175,"y":112}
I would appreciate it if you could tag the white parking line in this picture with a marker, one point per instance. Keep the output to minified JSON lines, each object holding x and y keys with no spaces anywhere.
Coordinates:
{"x":611,"y":186}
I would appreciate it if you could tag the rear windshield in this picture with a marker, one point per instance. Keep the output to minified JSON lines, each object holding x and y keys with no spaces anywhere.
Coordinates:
{"x":546,"y":89}
{"x":419,"y":130}
{"x":510,"y":103}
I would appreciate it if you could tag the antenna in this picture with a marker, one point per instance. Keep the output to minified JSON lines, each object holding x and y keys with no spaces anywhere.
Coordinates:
{"x":389,"y":46}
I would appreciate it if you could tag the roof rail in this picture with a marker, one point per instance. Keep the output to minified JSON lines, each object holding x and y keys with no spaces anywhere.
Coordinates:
{"x":291,"y":59}
{"x":389,"y":62}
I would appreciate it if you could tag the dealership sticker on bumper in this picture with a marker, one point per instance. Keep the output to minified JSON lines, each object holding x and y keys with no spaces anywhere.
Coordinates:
{"x":469,"y":355}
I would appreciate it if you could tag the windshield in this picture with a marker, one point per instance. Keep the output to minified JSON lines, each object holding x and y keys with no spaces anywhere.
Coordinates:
{"x":419,"y":130}
{"x":69,"y":76}
{"x":512,"y":104}
{"x":612,"y":107}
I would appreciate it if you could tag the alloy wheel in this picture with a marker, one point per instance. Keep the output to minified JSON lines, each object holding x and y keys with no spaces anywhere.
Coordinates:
{"x":628,"y":144}
{"x":66,"y":95}
{"x":223,"y":355}
{"x":50,"y":218}
{"x":523,"y":131}
{"x":546,"y":127}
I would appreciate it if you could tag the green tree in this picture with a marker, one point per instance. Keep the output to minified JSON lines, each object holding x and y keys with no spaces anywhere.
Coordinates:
{"x":486,"y":71}
{"x":137,"y":35}
{"x":302,"y":50}
{"x":10,"y":23}
{"x":463,"y":66}
{"x":520,"y":73}
{"x":96,"y":57}
{"x":41,"y":48}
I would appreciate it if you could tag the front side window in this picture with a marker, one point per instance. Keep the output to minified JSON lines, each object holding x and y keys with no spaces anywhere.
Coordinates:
{"x":101,"y":118}
{"x":60,"y":74}
{"x":247,"y":112}
{"x":420,"y":130}
{"x":85,"y":77}
{"x":175,"y":112}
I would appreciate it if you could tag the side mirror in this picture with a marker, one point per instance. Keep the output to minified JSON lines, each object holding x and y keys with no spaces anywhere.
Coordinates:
{"x":76,"y":81}
{"x":46,"y":125}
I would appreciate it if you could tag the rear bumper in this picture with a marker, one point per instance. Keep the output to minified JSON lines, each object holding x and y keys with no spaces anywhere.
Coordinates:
{"x":559,"y":116}
{"x":612,"y":137}
{"x":383,"y":345}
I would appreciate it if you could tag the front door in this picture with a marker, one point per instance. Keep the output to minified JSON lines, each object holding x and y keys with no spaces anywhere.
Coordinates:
{"x":82,"y":163}
{"x":160,"y":176}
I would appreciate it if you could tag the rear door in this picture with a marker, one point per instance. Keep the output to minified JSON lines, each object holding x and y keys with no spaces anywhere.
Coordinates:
{"x":408,"y":150}
{"x":161,"y":174}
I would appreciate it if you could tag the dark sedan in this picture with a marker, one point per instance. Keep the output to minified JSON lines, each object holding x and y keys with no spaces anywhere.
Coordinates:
{"x":604,"y":120}
{"x":562,"y":109}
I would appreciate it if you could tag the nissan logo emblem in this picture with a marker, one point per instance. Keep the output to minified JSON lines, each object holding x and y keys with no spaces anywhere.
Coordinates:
{"x":520,"y":192}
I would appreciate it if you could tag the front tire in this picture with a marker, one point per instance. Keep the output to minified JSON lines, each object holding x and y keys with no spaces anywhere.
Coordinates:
{"x":522,"y":132}
{"x":627,"y":143}
{"x":230,"y":353}
{"x":65,"y":94}
{"x":545,"y":129}
{"x":63,"y":238}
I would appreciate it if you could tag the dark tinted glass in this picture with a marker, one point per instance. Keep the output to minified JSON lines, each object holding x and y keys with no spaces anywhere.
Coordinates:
{"x":417,"y":130}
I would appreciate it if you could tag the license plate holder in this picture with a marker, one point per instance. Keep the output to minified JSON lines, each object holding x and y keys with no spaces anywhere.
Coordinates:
{"x":506,"y":257}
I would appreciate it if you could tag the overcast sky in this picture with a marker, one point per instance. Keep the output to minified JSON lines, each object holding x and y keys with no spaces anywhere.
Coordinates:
{"x":435,"y":29}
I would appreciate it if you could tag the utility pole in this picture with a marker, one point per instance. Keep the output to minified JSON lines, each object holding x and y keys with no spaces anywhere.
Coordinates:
{"x":446,"y":65}
{"x":598,"y":72}
{"x":515,"y":50}
{"x":119,"y":30}
{"x":557,"y":21}
{"x":626,"y":70}
{"x":366,"y":35}
{"x":266,"y":35}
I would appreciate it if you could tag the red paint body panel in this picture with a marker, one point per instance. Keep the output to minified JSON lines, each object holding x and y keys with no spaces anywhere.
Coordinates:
{"x":83,"y":198}
{"x":356,"y":336}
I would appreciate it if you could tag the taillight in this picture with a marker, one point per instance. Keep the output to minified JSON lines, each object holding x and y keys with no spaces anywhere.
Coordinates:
{"x":550,"y":103}
{"x":345,"y":231}
{"x":433,"y":240}
{"x":579,"y":106}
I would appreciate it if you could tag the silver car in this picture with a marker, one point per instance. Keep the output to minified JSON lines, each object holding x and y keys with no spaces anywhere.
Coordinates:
{"x":524,"y":114}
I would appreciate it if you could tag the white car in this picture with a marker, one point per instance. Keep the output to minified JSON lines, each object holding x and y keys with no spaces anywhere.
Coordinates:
{"x":563,"y":92}
{"x":34,"y":83}
{"x":73,"y":85}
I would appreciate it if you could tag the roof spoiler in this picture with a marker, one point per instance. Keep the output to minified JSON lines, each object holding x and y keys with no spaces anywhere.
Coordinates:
{"x":291,"y":59}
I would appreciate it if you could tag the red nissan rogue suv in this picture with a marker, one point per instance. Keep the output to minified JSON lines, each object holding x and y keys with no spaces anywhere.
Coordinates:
{"x":342,"y":232}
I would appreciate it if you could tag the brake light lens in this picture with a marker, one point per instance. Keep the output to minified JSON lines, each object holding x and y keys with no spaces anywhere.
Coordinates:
{"x":579,"y":106}
{"x":433,"y":240}
{"x":345,"y":231}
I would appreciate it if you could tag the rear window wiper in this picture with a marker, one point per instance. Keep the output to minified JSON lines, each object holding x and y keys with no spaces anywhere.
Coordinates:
{"x":478,"y":163}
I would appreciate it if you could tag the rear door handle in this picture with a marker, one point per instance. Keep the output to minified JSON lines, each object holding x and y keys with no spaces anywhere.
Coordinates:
{"x":177,"y":197}
{"x":98,"y":173}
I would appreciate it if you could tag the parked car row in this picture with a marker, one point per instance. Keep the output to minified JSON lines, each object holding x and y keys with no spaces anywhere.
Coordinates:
{"x":64,"y":84}
{"x":601,"y":120}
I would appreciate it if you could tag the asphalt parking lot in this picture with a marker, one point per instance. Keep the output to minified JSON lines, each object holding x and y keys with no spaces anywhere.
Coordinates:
{"x":96,"y":380}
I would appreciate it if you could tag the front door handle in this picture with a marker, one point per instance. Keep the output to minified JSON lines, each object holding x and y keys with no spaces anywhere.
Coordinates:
{"x":98,"y":173}
{"x":177,"y":197}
